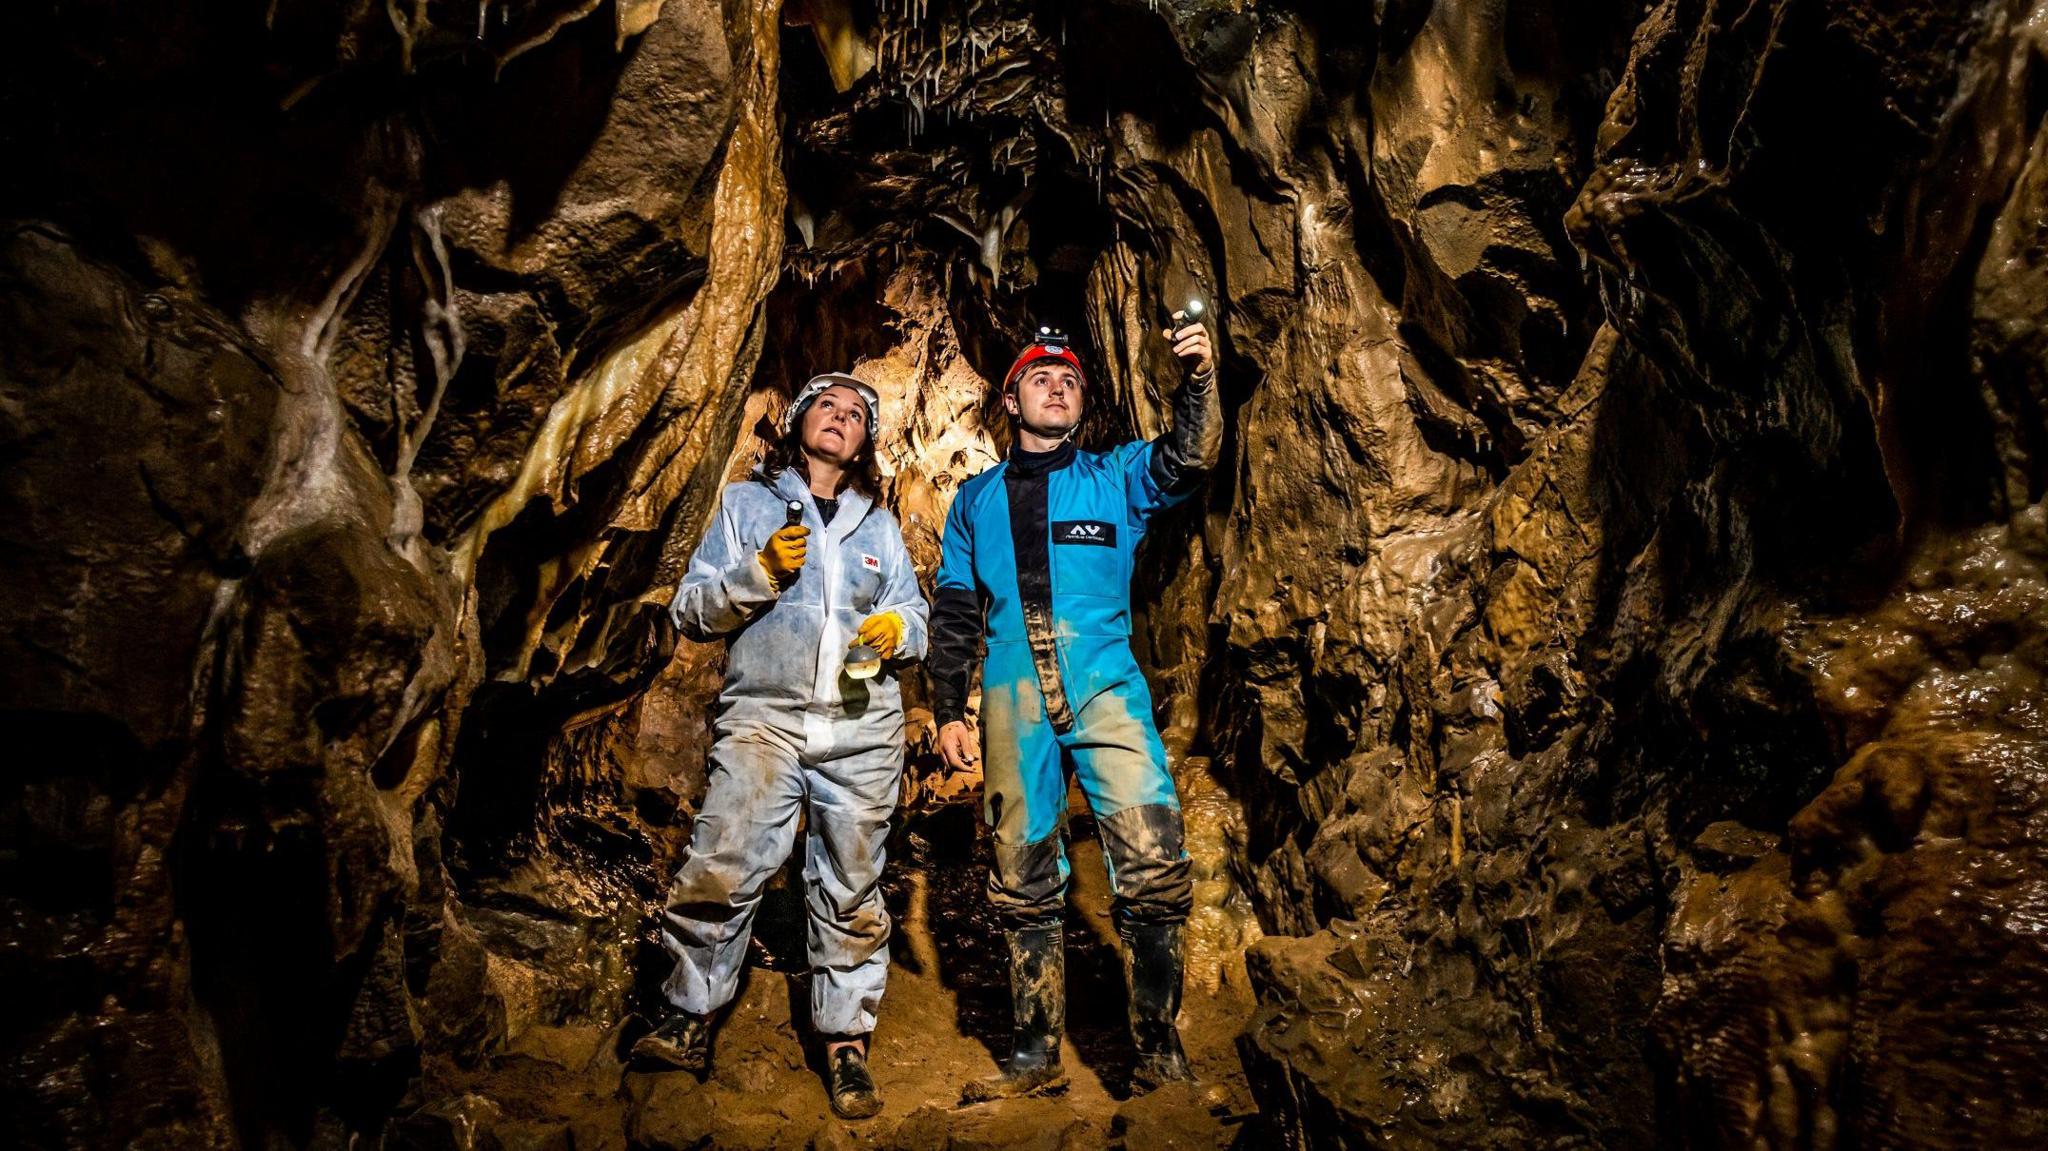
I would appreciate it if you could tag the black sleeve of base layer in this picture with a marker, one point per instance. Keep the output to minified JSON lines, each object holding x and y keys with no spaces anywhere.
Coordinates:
{"x":956,"y":643}
{"x":1189,"y":449}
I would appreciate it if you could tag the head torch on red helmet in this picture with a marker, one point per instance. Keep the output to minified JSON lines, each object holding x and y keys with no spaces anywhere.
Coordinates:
{"x":1049,"y":344}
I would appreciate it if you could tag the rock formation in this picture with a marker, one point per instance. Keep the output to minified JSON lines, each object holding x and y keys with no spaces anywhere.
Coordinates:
{"x":1607,"y":669}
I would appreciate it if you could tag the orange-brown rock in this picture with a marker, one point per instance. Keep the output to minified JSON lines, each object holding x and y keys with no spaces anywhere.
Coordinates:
{"x":1605,"y":673}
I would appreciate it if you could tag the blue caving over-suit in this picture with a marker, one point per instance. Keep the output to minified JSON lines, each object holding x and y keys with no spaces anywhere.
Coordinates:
{"x":1037,"y":557}
{"x":794,"y":733}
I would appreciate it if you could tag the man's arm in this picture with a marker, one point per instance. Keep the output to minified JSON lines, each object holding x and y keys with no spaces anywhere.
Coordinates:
{"x":1191,"y":445}
{"x":956,"y":619}
{"x":1187,"y":451}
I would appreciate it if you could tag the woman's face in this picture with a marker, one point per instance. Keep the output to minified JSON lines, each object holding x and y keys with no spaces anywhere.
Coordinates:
{"x":835,"y":425}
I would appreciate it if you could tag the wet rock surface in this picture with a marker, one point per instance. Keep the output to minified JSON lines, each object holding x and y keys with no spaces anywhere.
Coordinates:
{"x":1605,"y":678}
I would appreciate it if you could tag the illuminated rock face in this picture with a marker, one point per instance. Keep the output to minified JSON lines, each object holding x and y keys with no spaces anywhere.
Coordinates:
{"x":1606,"y":668}
{"x":358,"y":383}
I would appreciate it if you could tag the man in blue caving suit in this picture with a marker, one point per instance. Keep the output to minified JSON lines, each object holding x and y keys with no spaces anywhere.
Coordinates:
{"x":1037,"y":559}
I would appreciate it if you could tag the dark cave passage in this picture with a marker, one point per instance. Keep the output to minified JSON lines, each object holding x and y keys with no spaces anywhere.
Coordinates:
{"x":1602,"y":678}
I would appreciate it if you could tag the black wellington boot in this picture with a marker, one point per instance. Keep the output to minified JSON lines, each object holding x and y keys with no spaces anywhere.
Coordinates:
{"x":1152,"y":974}
{"x":683,"y":1041}
{"x":1038,"y":1017}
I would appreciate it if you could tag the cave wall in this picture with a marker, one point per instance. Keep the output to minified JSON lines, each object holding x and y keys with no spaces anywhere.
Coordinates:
{"x":365,"y":369}
{"x":1606,"y":668}
{"x":1602,"y":858}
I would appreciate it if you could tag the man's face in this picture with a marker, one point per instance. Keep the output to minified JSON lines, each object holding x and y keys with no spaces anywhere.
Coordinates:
{"x":1047,"y":398}
{"x":835,"y":425}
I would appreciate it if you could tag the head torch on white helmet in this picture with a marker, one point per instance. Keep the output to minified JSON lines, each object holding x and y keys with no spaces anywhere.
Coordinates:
{"x":817,"y":384}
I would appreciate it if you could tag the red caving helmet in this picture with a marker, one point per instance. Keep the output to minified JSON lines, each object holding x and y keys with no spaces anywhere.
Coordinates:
{"x":1048,"y":344}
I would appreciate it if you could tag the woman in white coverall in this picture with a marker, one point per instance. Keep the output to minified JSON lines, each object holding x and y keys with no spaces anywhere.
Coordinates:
{"x":796,"y":735}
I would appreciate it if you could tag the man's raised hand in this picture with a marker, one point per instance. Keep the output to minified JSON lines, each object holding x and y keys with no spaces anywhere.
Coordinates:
{"x":1190,"y":344}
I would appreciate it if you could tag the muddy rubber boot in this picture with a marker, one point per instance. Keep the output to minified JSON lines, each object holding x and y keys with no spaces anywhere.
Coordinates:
{"x":849,"y":1086}
{"x":1152,"y":957}
{"x":1038,"y":1017}
{"x":683,"y":1041}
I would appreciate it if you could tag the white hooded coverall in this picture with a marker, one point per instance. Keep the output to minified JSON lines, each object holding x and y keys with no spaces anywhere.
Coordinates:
{"x":794,"y":733}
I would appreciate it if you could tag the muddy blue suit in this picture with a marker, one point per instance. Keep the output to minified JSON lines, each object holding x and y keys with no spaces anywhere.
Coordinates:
{"x":1037,"y":557}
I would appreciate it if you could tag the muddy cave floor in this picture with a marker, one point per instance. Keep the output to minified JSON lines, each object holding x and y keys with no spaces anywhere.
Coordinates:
{"x":944,"y":1021}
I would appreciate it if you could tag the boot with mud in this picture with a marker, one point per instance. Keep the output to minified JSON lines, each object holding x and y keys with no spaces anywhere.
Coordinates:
{"x":848,"y":1084}
{"x":682,"y":1041}
{"x":1038,"y":1006}
{"x":1152,"y":973}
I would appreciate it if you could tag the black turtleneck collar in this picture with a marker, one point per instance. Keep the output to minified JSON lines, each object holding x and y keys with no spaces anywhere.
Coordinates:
{"x":1032,"y":463}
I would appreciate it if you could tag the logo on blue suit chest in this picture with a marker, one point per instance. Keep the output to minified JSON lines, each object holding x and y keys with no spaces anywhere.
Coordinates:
{"x":1095,"y":532}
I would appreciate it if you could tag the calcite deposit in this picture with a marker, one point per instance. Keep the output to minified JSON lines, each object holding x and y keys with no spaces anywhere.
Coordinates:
{"x":1605,"y":675}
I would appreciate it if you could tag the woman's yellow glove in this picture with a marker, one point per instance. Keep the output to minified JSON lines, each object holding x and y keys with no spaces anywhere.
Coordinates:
{"x":783,"y":557}
{"x":882,"y":632}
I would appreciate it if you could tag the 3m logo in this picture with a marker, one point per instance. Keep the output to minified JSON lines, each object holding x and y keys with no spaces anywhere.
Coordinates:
{"x":1084,"y":532}
{"x":872,"y":563}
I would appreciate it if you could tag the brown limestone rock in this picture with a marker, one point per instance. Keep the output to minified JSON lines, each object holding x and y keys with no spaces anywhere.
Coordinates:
{"x":1604,"y":667}
{"x":250,"y":413}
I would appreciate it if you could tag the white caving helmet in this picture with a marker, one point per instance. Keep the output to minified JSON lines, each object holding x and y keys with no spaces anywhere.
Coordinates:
{"x":817,"y":384}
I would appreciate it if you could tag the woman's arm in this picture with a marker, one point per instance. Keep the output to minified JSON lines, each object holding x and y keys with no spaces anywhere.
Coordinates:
{"x":901,"y":595}
{"x":726,"y":586}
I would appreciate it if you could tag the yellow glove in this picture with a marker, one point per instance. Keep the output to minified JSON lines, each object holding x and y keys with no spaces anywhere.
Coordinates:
{"x":784,"y":555}
{"x":882,"y":632}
